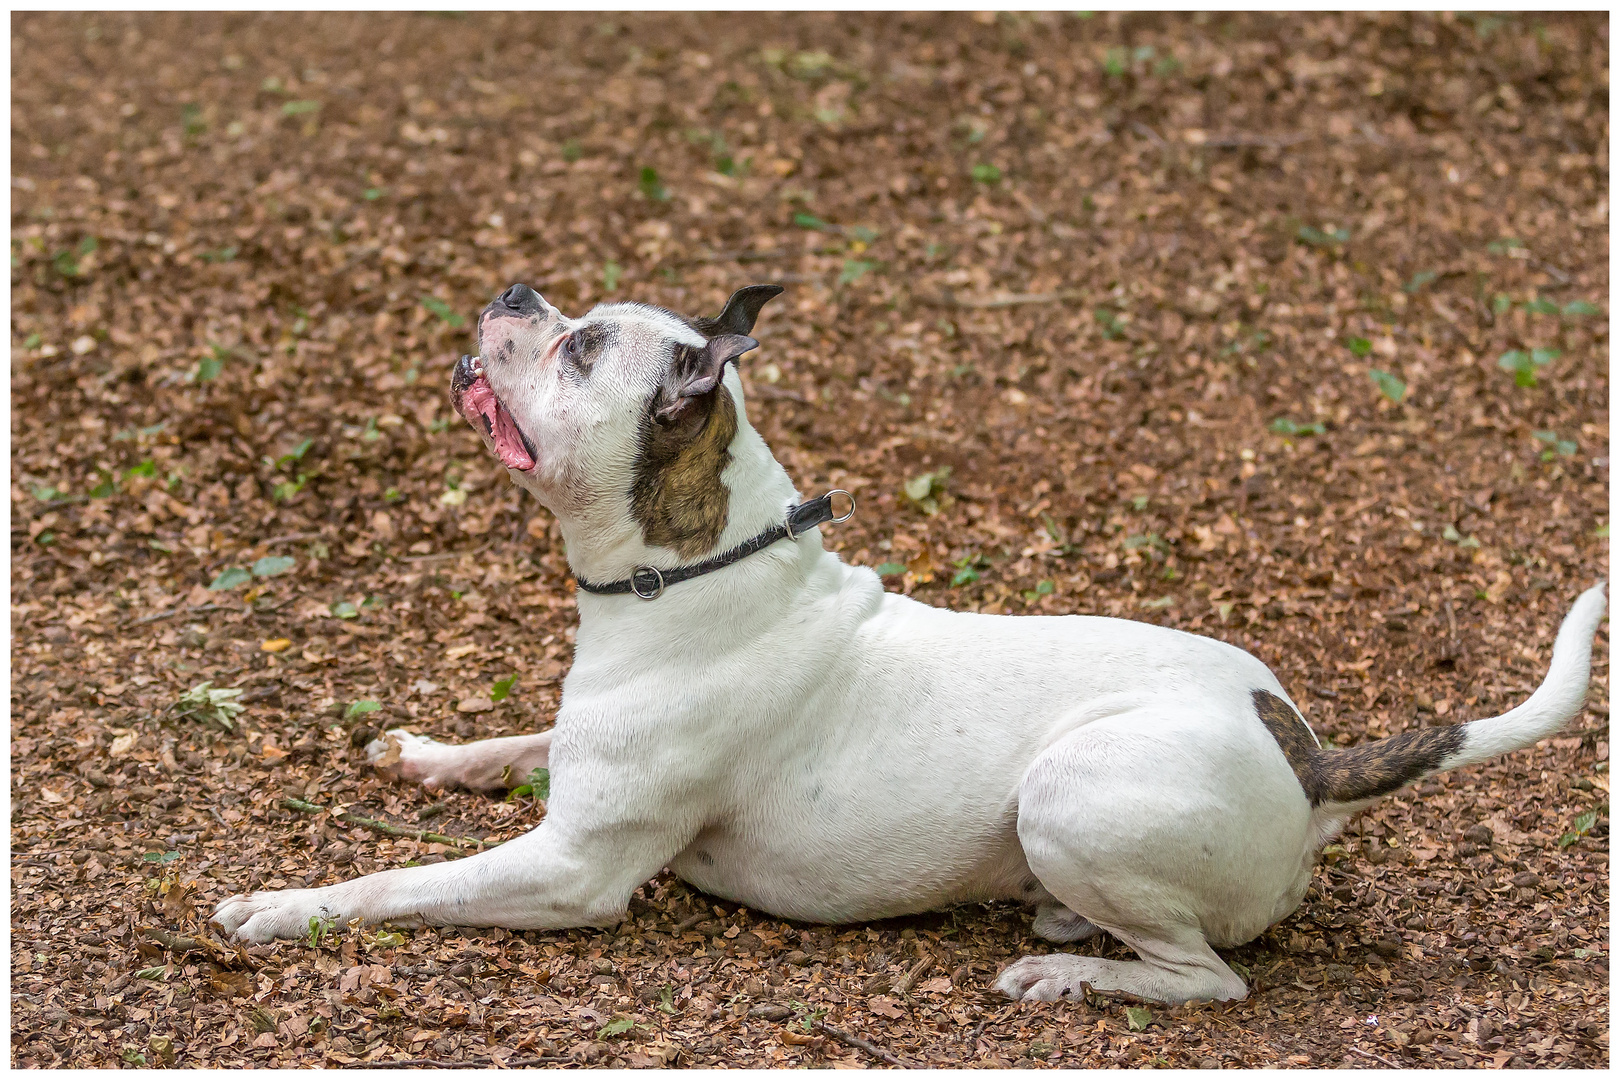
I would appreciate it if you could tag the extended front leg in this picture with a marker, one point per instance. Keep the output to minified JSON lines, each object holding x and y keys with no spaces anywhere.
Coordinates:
{"x":486,"y":765}
{"x":552,"y":877}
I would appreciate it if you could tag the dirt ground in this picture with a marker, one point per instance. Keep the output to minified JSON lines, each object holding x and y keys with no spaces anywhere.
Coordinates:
{"x":1086,"y":311}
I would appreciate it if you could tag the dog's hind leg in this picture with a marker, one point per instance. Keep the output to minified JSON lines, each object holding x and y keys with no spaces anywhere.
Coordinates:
{"x":486,"y":765}
{"x":1166,"y":833}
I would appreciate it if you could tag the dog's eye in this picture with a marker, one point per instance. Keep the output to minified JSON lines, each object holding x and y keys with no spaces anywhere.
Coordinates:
{"x":570,"y":349}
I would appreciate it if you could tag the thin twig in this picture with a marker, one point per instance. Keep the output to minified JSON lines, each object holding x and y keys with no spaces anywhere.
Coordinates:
{"x":391,"y":830}
{"x":1147,"y":133}
{"x":442,"y":555}
{"x":1232,"y":142}
{"x":435,"y":1063}
{"x":198,"y":610}
{"x":289,"y":538}
{"x":1375,"y":1057}
{"x":858,"y":1043}
{"x":1012,"y":300}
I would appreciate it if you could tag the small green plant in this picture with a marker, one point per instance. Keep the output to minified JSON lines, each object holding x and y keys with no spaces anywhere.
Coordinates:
{"x":854,"y":270}
{"x":969,"y":569}
{"x":271,"y":565}
{"x":319,"y":928}
{"x":1284,"y":426}
{"x":1318,"y":238}
{"x":1576,"y":308}
{"x":1116,"y":61}
{"x":1581,"y":826}
{"x":985,"y":173}
{"x":147,"y":467}
{"x":1359,"y":347}
{"x":1540,"y":306}
{"x":372,"y":194}
{"x":1451,"y":534}
{"x":447,"y":316}
{"x":160,"y":857}
{"x":1524,"y":365}
{"x":925,"y":491}
{"x":666,"y":999}
{"x":1138,"y":1019}
{"x":611,"y":273}
{"x":889,"y":569}
{"x":616,"y":1027}
{"x":1556,"y":447}
{"x":502,"y":688}
{"x":286,"y":489}
{"x":652,"y":187}
{"x":1113,"y":327}
{"x":343,"y":609}
{"x":1042,"y":588}
{"x":360,"y":708}
{"x":1419,"y":279}
{"x":1504,"y":245}
{"x":299,"y":108}
{"x":537,"y":786}
{"x":1151,"y":541}
{"x":1388,"y":385}
{"x":66,"y":263}
{"x":203,"y":702}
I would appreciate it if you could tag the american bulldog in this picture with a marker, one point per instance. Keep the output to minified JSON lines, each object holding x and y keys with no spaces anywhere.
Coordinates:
{"x":759,"y":716}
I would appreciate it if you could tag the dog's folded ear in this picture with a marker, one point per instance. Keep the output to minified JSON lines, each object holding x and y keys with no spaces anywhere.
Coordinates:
{"x":695,"y":373}
{"x":740,"y":311}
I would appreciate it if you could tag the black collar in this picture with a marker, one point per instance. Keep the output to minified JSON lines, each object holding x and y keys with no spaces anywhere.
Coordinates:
{"x":649,"y":582}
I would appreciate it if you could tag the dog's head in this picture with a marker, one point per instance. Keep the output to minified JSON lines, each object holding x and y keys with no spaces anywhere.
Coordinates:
{"x":620,"y":418}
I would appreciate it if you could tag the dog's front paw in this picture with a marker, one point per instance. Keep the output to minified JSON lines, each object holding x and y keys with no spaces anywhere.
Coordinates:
{"x":412,"y":757}
{"x":267,"y":916}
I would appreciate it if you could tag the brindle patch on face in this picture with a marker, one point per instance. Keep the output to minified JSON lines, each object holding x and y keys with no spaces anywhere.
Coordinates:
{"x":1361,"y":772}
{"x":677,"y":496}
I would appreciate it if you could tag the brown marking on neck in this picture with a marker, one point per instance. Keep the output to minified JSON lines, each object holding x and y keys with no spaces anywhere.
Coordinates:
{"x":1361,"y":772}
{"x":677,"y":496}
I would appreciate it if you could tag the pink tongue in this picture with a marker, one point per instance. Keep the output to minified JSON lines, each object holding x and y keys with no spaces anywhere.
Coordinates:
{"x":508,"y":443}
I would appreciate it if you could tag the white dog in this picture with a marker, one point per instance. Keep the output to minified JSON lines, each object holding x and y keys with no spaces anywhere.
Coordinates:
{"x":762,"y":718}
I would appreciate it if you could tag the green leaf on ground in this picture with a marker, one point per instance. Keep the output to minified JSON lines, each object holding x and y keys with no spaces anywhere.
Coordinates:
{"x":1138,"y":1019}
{"x":1388,"y":385}
{"x":271,"y":565}
{"x":889,"y":569}
{"x":360,"y":708}
{"x":230,"y":578}
{"x":502,"y":688}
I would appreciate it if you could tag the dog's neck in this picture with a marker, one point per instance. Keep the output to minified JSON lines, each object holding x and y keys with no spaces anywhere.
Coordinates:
{"x":608,"y":545}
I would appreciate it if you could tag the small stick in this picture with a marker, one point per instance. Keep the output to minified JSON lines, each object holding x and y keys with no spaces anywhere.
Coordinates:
{"x":1375,"y":1057}
{"x":391,"y":830}
{"x":289,"y":538}
{"x":1008,"y":301}
{"x":909,"y":979}
{"x":177,"y":942}
{"x":435,"y":1063}
{"x":442,"y":555}
{"x":858,"y":1043}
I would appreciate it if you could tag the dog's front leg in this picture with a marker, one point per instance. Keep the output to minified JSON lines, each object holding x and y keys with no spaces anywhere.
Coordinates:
{"x":554,"y":876}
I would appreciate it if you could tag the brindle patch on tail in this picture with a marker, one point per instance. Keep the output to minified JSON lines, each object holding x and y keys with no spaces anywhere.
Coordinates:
{"x":1362,"y":772}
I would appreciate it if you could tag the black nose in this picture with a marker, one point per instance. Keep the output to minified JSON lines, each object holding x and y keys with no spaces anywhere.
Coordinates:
{"x":521,"y":299}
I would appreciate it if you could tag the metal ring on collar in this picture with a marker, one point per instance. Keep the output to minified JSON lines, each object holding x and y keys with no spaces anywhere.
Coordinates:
{"x":638,"y":576}
{"x":847,"y":514}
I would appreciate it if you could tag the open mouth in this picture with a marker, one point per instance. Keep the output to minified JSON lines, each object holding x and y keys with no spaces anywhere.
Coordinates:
{"x":475,"y":400}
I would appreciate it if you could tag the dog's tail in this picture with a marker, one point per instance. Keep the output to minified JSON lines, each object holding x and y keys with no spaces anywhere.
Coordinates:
{"x":1363,"y":773}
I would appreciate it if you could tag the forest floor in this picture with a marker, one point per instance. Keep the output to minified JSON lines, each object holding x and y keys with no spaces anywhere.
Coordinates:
{"x":1200,"y":321}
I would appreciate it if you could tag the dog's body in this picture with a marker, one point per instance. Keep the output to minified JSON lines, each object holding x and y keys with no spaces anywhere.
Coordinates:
{"x":785,"y":733}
